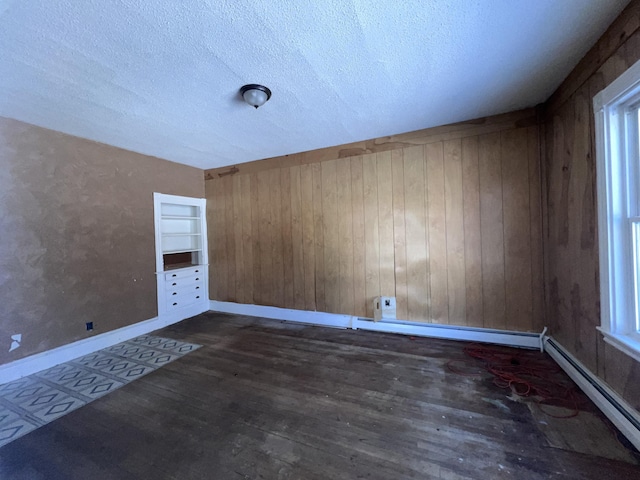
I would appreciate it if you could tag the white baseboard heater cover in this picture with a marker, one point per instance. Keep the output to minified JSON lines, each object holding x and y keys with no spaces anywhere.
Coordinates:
{"x":419,"y":329}
{"x":452,"y":332}
{"x":621,"y":414}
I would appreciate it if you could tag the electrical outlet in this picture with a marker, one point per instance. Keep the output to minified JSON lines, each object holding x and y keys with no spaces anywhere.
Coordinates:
{"x":89,"y":326}
{"x":15,"y":341}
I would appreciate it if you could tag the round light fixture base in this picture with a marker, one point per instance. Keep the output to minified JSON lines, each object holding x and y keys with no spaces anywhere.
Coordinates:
{"x":255,"y":95}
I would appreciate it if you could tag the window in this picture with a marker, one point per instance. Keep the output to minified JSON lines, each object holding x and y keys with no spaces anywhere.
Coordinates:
{"x":617,"y":122}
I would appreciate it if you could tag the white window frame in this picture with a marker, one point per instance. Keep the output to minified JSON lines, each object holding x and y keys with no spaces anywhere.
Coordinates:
{"x":617,"y":120}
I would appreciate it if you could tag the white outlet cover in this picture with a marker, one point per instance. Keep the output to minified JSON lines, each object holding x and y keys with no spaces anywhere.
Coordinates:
{"x":16,"y":339}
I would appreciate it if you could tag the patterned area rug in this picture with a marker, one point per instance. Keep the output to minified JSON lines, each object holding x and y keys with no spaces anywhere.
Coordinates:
{"x":38,"y":399}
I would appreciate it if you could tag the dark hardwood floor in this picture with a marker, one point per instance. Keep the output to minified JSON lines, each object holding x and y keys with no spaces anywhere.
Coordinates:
{"x":271,"y":400}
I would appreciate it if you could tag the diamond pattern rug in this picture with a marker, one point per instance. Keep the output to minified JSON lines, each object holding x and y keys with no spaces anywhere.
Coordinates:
{"x":34,"y":401}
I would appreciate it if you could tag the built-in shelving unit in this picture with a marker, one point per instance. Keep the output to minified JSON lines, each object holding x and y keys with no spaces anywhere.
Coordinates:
{"x":181,"y":235}
{"x":181,"y":254}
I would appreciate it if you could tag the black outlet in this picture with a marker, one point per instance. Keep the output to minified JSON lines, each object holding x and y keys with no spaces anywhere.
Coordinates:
{"x":89,"y":325}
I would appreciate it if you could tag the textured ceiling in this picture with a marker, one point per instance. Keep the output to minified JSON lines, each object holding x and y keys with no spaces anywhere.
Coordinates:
{"x":161,"y":77}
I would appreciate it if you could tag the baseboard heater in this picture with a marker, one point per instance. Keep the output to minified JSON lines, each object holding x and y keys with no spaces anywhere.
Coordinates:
{"x":452,"y":332}
{"x":621,"y":414}
{"x":405,"y":327}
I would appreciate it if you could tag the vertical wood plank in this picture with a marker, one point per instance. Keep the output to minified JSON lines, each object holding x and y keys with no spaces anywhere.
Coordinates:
{"x":517,"y":228}
{"x":472,"y":231}
{"x":318,"y":229}
{"x":564,"y":146}
{"x":345,"y":237}
{"x":221,"y":241}
{"x":275,"y":227}
{"x":257,"y":246}
{"x":287,"y":243}
{"x":596,"y":84}
{"x":492,"y":231}
{"x":399,"y":234}
{"x":359,"y":261}
{"x":297,"y":239}
{"x":456,"y":281}
{"x":535,"y":219}
{"x":266,"y":238}
{"x":436,"y":215}
{"x":237,"y":238}
{"x":585,"y":296}
{"x":213,"y":207}
{"x":330,"y":235}
{"x":385,"y":224}
{"x":308,"y":236}
{"x":371,"y":233}
{"x":247,"y":239}
{"x":415,"y":188}
{"x":230,"y":256}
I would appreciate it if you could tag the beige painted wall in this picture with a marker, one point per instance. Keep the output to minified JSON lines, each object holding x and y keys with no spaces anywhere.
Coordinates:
{"x":448,"y":220}
{"x":571,"y":236}
{"x":76,"y":235}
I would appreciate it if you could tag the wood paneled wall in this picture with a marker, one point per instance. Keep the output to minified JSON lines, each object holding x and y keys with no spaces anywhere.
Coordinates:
{"x":448,"y":220}
{"x":571,"y":240}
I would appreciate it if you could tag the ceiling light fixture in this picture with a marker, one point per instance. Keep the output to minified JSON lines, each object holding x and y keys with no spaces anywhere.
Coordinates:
{"x":255,"y":95}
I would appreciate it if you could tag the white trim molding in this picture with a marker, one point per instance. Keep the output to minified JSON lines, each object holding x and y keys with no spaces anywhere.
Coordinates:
{"x":621,"y":414}
{"x":624,"y":343}
{"x":419,"y":329}
{"x":41,"y":361}
{"x":617,"y":125}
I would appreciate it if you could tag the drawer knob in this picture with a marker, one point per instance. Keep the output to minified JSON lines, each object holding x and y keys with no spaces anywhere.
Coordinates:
{"x":197,"y":278}
{"x":197,"y":296}
{"x":197,"y":271}
{"x":174,"y":293}
{"x":174,"y":275}
{"x":175,"y":303}
{"x":173,"y":284}
{"x":197,"y":288}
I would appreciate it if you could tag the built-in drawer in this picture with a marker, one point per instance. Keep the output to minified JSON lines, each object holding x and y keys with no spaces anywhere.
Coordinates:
{"x":188,"y":290}
{"x":183,"y":273}
{"x":179,"y":283}
{"x":183,"y":299}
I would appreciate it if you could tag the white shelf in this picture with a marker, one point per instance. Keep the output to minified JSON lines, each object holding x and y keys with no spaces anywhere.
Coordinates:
{"x":168,"y":252}
{"x":181,"y":234}
{"x":178,"y":217}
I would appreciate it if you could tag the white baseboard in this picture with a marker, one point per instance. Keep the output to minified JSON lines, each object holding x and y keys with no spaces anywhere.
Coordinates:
{"x":621,"y":414}
{"x":41,"y":361}
{"x":276,"y":313}
{"x":449,"y":332}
